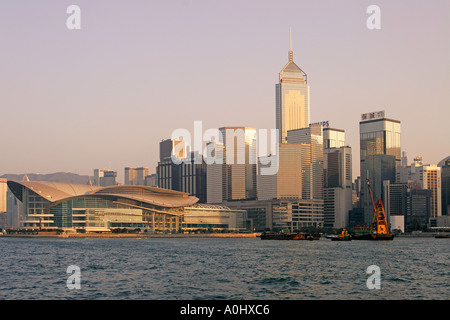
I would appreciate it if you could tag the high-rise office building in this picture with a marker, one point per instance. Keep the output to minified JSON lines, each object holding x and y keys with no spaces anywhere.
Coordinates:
{"x":292,"y":98}
{"x":296,"y":187}
{"x":337,"y":186}
{"x":187,"y":174}
{"x":380,"y":154}
{"x":286,"y":182}
{"x":240,"y":162}
{"x":235,"y":174}
{"x":3,"y":203}
{"x":432,"y":181}
{"x":135,"y":176}
{"x":379,"y":135}
{"x":333,"y":138}
{"x":3,"y":191}
{"x":417,"y":207}
{"x":193,"y":177}
{"x":130,"y":176}
{"x":338,"y":167}
{"x":104,"y":177}
{"x":444,"y":164}
{"x":215,"y":173}
{"x":394,"y":196}
{"x":377,"y":168}
{"x":424,"y":177}
{"x":151,"y":180}
{"x":172,"y":147}
{"x":312,"y":178}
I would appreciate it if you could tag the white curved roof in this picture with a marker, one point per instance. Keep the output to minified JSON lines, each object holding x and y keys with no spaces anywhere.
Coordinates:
{"x":57,"y":192}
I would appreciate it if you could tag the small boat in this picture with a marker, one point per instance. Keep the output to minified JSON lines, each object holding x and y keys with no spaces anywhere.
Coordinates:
{"x":343,"y":236}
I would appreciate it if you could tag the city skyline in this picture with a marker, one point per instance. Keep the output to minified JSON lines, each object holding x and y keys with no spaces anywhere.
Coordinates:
{"x":106,"y":95}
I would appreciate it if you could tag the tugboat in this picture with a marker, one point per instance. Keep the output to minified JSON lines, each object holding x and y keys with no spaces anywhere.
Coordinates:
{"x":343,"y":236}
{"x":379,"y":229}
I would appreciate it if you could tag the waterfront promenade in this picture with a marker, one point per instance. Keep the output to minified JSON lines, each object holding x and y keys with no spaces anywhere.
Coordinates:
{"x":132,"y":235}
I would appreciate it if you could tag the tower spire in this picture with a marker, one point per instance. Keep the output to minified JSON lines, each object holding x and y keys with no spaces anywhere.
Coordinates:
{"x":291,"y":54}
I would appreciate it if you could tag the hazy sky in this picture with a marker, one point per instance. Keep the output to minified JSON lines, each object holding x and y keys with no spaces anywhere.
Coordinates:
{"x":105,"y":95}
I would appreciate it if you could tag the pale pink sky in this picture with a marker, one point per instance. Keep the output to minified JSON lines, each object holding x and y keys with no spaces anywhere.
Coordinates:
{"x":105,"y":95}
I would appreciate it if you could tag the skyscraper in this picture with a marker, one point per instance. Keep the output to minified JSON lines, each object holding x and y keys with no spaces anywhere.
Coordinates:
{"x":337,"y":186}
{"x":215,"y":173}
{"x":296,"y":187}
{"x":104,"y":177}
{"x":333,"y":138}
{"x":3,"y":190}
{"x":377,"y":168}
{"x":379,"y":135}
{"x":312,"y":178}
{"x":235,"y":175}
{"x":292,"y":98}
{"x":172,"y":147}
{"x":135,"y":176}
{"x":445,"y":183}
{"x":186,"y":175}
{"x":380,"y":143}
{"x":286,"y":182}
{"x":425,"y":177}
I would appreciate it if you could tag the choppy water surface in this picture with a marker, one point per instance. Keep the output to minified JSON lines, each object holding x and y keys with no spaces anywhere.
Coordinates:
{"x":220,"y":268}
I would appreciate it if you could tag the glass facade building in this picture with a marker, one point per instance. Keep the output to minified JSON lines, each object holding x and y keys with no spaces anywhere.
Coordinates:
{"x":312,"y":162}
{"x":417,"y":208}
{"x":292,"y":99}
{"x":425,"y":177}
{"x":445,"y":182}
{"x":47,"y":205}
{"x":380,"y":154}
{"x":187,"y":176}
{"x":380,"y":136}
{"x":296,"y":188}
{"x":376,"y":168}
{"x":337,"y":186}
{"x":233,"y":174}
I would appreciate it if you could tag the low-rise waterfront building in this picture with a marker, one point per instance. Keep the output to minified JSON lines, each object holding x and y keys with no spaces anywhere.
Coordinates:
{"x":217,"y":217}
{"x":50,"y":205}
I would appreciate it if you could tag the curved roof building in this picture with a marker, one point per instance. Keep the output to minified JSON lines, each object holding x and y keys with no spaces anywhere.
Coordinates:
{"x":71,"y":206}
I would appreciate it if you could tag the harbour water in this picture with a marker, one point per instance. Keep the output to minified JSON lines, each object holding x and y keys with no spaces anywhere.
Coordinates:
{"x":224,"y":269}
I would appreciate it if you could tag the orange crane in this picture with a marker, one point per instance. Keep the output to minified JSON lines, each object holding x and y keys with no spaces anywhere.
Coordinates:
{"x":379,"y":230}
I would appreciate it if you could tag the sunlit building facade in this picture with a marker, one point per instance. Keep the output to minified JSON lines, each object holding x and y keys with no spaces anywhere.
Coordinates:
{"x":135,"y":176}
{"x":296,"y":186}
{"x":180,"y":170}
{"x":312,"y":162}
{"x":3,"y":191}
{"x":232,"y":176}
{"x":50,"y":205}
{"x":333,"y":138}
{"x":425,"y":177}
{"x":337,"y":186}
{"x":292,"y":99}
{"x":104,"y":177}
{"x":380,"y":154}
{"x":216,"y":217}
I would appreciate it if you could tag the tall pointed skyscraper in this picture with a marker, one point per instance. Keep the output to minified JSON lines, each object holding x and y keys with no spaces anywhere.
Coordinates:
{"x":292,"y":97}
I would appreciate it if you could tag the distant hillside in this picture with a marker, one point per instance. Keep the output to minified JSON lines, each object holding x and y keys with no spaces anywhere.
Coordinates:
{"x":66,"y":177}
